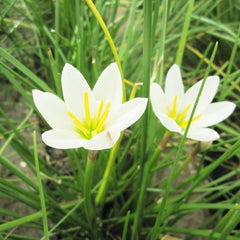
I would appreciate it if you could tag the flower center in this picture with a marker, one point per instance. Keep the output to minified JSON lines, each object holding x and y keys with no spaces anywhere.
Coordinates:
{"x":180,"y":118}
{"x":91,"y":126}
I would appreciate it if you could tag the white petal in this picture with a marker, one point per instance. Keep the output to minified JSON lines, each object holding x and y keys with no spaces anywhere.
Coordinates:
{"x":74,"y":85}
{"x":202,"y":134}
{"x":207,"y":95}
{"x":169,"y":123}
{"x":103,"y":140}
{"x":158,"y":99}
{"x":63,"y":139}
{"x":174,"y":85}
{"x":109,"y":87}
{"x":215,"y":113}
{"x":53,"y":109}
{"x":128,"y":114}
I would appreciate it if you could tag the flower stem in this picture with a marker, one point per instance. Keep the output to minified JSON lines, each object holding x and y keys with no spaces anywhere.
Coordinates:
{"x":162,"y":41}
{"x":144,"y":167}
{"x":103,"y":189}
{"x":107,"y":175}
{"x":191,"y":156}
{"x":184,"y":33}
{"x":42,"y":200}
{"x":88,"y":182}
{"x":145,"y":180}
{"x":109,"y":38}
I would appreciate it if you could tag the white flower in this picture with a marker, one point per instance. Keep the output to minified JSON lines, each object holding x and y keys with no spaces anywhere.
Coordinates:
{"x":87,"y":118}
{"x":173,"y":108}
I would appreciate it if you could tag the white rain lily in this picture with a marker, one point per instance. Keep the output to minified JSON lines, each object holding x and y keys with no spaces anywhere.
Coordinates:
{"x":92,"y":119}
{"x":173,"y":108}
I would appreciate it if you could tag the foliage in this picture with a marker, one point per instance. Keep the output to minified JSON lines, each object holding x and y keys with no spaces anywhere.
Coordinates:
{"x":149,"y":190}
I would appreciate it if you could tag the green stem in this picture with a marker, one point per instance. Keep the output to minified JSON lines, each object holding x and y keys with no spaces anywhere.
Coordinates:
{"x":43,"y":206}
{"x":191,"y":156}
{"x":107,"y":175}
{"x":146,"y":180}
{"x":110,"y":41}
{"x":88,"y":182}
{"x":104,"y":186}
{"x":140,"y":204}
{"x":226,"y":80}
{"x":56,"y":47}
{"x":162,"y":40}
{"x":184,"y":33}
{"x":124,"y":235}
{"x":147,"y":50}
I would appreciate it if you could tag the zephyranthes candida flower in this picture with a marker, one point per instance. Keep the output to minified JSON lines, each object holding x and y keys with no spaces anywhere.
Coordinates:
{"x":87,"y":118}
{"x":173,"y":108}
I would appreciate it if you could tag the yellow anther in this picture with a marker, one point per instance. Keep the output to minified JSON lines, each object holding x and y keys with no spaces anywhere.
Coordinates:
{"x":97,"y":117}
{"x":78,"y":124}
{"x":174,"y":111}
{"x":182,"y":115}
{"x":103,"y":118}
{"x":87,"y":110}
{"x":197,"y":117}
{"x":184,"y":124}
{"x":100,"y":110}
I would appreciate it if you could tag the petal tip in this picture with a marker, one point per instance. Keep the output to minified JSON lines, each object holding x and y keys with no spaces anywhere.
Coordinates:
{"x":113,"y":64}
{"x":214,"y":79}
{"x":175,"y":66}
{"x":154,"y":85}
{"x":113,"y":67}
{"x":34,"y":92}
{"x":233,"y":106}
{"x":68,"y":67}
{"x":37,"y":94}
{"x":175,"y":69}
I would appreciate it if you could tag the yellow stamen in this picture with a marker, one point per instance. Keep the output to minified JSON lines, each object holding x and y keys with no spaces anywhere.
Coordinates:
{"x":78,"y":123}
{"x":197,"y":117}
{"x":96,"y":118}
{"x":174,"y":111}
{"x":103,"y":118}
{"x":87,"y":110}
{"x":91,"y":127}
{"x":182,"y":115}
{"x":184,"y":124}
{"x":100,"y":110}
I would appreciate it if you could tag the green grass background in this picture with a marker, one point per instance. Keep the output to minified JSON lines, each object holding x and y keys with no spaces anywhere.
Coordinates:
{"x":142,"y":202}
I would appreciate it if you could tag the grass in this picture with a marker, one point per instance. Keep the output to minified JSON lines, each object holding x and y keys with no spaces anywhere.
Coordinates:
{"x":149,"y":192}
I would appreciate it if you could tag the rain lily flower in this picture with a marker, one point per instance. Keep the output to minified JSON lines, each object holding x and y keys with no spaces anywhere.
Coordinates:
{"x":92,"y":119}
{"x":173,"y":108}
